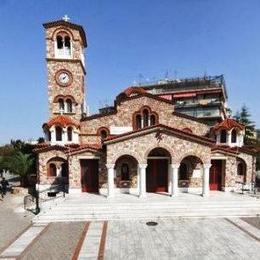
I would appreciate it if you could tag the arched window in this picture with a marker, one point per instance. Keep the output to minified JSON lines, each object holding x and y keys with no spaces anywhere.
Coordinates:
{"x":152,"y":120}
{"x":49,"y":135}
{"x":69,"y":106}
{"x":146,"y":117}
{"x":63,"y":45}
{"x":59,"y":42}
{"x":67,"y":42}
{"x":240,"y":169}
{"x":223,"y":136}
{"x":58,"y":131}
{"x":69,"y":134}
{"x":52,"y":170}
{"x":233,"y":136}
{"x":138,"y":122}
{"x":125,"y":172}
{"x":103,"y":134}
{"x":183,"y":174}
{"x":61,"y":105}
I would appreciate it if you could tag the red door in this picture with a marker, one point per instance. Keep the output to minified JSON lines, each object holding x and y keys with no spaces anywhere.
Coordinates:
{"x":157,"y":175}
{"x":215,"y":175}
{"x":89,"y":175}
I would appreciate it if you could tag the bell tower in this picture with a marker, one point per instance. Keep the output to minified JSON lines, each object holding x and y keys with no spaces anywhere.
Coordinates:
{"x":65,"y":45}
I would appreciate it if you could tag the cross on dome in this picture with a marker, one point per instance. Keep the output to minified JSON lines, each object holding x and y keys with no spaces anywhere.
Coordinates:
{"x":66,"y":18}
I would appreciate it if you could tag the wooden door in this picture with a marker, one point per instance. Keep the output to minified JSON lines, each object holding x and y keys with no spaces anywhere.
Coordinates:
{"x":215,"y":175}
{"x":89,"y":175}
{"x":157,"y":175}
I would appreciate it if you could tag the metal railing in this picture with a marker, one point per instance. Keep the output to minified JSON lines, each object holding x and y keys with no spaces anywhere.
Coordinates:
{"x":33,"y":200}
{"x":243,"y":187}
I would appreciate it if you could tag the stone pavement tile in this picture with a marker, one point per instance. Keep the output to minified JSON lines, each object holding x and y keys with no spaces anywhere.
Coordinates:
{"x":179,"y":239}
{"x":58,"y":242}
{"x":19,"y":245}
{"x":254,"y":221}
{"x":12,"y":223}
{"x":90,"y":246}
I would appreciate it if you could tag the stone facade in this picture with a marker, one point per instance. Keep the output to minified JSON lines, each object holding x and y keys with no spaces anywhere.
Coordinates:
{"x":184,"y":142}
{"x":124,"y":118}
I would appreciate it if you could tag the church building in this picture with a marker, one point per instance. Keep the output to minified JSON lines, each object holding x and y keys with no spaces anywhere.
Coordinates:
{"x":140,"y":145}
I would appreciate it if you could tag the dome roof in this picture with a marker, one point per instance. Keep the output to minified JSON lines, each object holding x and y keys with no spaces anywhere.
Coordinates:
{"x":133,"y":90}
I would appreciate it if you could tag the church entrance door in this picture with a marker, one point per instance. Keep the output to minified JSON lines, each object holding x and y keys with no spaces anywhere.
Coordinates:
{"x":89,"y":175}
{"x":215,"y":175}
{"x":157,"y":175}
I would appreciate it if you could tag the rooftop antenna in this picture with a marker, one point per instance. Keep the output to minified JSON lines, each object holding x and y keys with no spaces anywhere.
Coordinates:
{"x":140,"y":77}
{"x":175,"y":74}
{"x":205,"y":74}
{"x":134,"y":83}
{"x":65,"y":18}
{"x":166,"y":75}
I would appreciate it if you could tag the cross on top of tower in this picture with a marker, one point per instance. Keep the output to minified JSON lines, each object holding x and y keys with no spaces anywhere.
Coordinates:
{"x":66,"y":18}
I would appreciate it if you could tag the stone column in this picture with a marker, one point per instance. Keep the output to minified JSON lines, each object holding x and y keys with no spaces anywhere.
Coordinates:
{"x":64,"y":137}
{"x":142,"y":179}
{"x":229,"y":138}
{"x":142,"y":122}
{"x":169,"y":178}
{"x":110,"y":180}
{"x":240,"y":139}
{"x":58,"y":170}
{"x":218,"y":138}
{"x":53,"y":135}
{"x":205,"y":191}
{"x":175,"y":179}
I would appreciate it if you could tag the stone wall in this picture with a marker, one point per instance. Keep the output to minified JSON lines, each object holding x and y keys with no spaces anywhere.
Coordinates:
{"x":231,"y":176}
{"x":43,"y":159}
{"x":140,"y":146}
{"x":75,"y":169}
{"x":133,"y":171}
{"x":76,"y":88}
{"x":124,"y":118}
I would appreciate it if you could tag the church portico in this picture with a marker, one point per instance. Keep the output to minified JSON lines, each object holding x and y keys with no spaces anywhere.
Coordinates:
{"x":159,"y":155}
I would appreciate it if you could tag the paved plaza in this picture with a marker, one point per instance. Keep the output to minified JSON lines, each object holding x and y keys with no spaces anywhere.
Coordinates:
{"x":171,"y":238}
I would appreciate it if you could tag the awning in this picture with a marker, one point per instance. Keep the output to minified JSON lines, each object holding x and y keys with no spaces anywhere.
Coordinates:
{"x":182,"y":95}
{"x":168,"y":97}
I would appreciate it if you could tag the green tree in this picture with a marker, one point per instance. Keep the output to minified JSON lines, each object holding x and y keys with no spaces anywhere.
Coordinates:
{"x":244,"y":117}
{"x":20,"y":164}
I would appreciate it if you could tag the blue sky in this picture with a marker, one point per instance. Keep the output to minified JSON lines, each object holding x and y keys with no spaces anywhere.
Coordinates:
{"x":127,"y":38}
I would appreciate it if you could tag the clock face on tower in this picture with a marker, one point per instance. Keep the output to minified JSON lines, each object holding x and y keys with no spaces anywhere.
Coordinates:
{"x":63,"y":78}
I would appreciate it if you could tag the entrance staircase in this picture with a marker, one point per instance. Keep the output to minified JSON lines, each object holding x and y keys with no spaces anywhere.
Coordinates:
{"x":92,"y":207}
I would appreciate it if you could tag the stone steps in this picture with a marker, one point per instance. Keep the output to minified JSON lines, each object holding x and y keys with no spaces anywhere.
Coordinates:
{"x":103,"y":217}
{"x":99,"y":208}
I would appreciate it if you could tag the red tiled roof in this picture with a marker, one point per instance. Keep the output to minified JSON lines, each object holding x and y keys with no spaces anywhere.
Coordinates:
{"x":229,"y":124}
{"x":224,"y":149}
{"x":47,"y":147}
{"x":82,"y":148}
{"x":133,"y":90}
{"x":252,"y":150}
{"x":62,"y":121}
